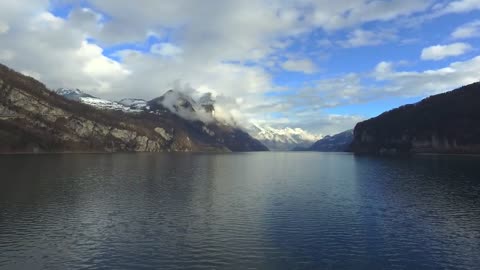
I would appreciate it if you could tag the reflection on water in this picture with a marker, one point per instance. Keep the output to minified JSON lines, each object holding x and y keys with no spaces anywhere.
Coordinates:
{"x":239,"y":211}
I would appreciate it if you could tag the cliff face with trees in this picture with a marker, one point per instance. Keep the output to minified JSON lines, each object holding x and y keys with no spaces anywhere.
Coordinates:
{"x":35,"y":119}
{"x":444,"y":123}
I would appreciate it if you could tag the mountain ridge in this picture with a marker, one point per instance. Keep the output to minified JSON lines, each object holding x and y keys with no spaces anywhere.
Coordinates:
{"x":444,"y":123}
{"x":35,"y":119}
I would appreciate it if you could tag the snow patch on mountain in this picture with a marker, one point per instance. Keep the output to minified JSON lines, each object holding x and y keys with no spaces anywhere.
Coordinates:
{"x":103,"y":104}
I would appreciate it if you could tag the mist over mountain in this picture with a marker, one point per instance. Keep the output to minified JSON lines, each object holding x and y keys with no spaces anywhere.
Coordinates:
{"x":201,"y":109}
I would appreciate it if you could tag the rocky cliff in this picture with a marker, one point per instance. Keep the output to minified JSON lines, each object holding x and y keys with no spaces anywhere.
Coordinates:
{"x":34,"y":119}
{"x":444,"y":123}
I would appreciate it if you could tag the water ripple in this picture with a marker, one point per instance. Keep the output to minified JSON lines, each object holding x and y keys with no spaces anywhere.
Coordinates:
{"x":239,"y":211}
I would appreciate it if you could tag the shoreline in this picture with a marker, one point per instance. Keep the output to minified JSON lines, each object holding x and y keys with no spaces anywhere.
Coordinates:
{"x":210,"y":152}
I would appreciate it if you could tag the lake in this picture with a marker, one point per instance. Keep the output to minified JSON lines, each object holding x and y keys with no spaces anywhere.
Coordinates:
{"x":239,"y":211}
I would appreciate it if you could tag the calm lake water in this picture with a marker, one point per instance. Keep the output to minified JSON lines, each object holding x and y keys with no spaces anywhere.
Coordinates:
{"x":239,"y":211}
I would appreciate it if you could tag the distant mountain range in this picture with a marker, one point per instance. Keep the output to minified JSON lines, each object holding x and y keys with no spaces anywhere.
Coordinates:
{"x":185,"y":106}
{"x":285,"y":139}
{"x":444,"y":123}
{"x":35,"y":119}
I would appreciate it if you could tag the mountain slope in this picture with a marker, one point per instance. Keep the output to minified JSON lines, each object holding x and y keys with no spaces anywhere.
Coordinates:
{"x":34,"y":119}
{"x":337,"y":143}
{"x":444,"y":123}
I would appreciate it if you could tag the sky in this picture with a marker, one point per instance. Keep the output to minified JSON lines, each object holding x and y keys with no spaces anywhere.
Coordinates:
{"x":318,"y":65}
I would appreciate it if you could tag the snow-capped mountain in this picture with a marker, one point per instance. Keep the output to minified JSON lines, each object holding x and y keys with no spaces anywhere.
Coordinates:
{"x":175,"y":101}
{"x":78,"y":95}
{"x":43,"y":121}
{"x":183,"y":105}
{"x":283,"y":139}
{"x":203,"y":110}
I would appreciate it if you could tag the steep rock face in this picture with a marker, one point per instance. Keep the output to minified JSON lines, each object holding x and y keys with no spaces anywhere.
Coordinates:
{"x":445,"y":123}
{"x":337,"y":143}
{"x":34,"y":119}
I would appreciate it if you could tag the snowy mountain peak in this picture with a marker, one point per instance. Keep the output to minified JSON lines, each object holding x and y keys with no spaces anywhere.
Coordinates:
{"x":184,"y":106}
{"x":284,"y":138}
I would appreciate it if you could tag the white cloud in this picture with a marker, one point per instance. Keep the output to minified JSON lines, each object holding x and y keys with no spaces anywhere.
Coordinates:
{"x":468,"y":30}
{"x":6,"y":55}
{"x":460,"y":6}
{"x":100,"y":68}
{"x":384,"y":81}
{"x":359,"y":38}
{"x":356,"y":12}
{"x":4,"y":27}
{"x":439,"y":52}
{"x":427,"y":82}
{"x":49,"y":48}
{"x":166,"y":49}
{"x":300,"y":65}
{"x":214,"y":45}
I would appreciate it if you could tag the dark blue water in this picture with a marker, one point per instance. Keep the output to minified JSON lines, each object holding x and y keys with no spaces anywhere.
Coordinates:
{"x":239,"y":211}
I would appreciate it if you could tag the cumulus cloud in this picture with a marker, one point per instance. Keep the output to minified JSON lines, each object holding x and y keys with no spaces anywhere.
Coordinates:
{"x":439,"y":52}
{"x":468,"y":30}
{"x":48,"y":48}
